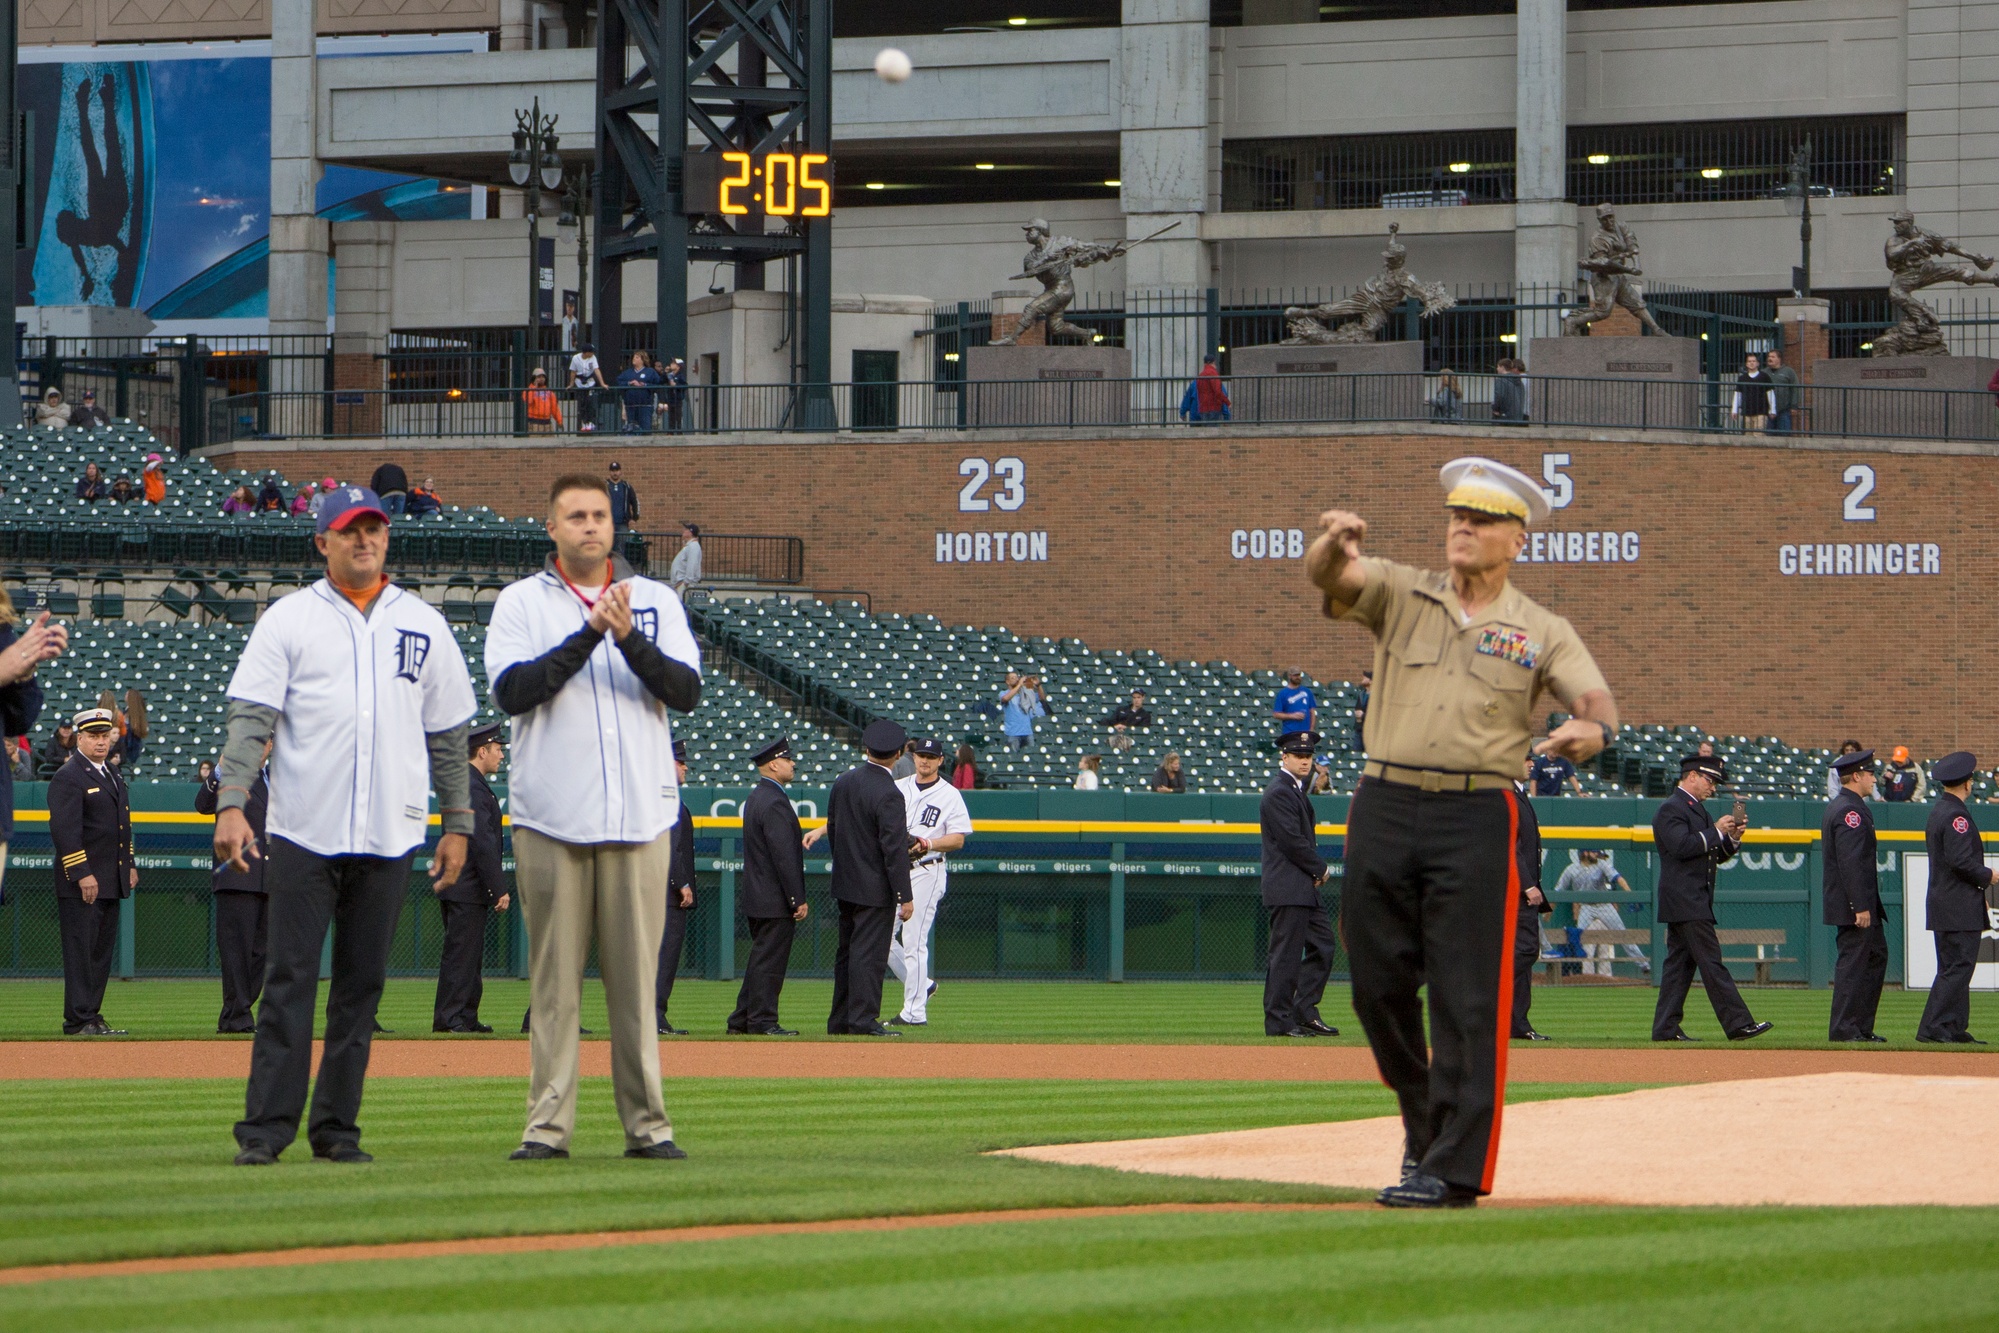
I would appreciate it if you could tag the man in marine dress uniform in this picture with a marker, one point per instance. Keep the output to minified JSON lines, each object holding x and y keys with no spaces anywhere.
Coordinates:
{"x":1301,"y":934}
{"x":679,"y":898}
{"x":90,"y":824}
{"x":772,"y":890}
{"x":1691,"y":843}
{"x":1533,"y":906}
{"x":242,"y":909}
{"x":1955,"y":905}
{"x":480,"y":890}
{"x":1851,"y":899}
{"x":1432,"y":880}
{"x":867,"y":824}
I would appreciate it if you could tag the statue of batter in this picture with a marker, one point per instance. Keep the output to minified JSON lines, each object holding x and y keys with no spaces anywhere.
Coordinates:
{"x":1051,"y":260}
{"x":1369,"y":306}
{"x":1612,"y":265}
{"x":1916,"y":260}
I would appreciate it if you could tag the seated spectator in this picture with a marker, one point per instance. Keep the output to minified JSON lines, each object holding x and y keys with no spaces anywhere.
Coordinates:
{"x":56,"y":750}
{"x":271,"y":499}
{"x":302,"y":502}
{"x":21,"y":759}
{"x":1903,"y":779}
{"x":242,"y":503}
{"x":52,"y":411}
{"x":543,"y":407}
{"x":202,"y":770}
{"x":1169,"y":777}
{"x":319,"y":501}
{"x":85,"y":415}
{"x":91,"y":485}
{"x":1832,"y":774}
{"x":155,"y":479}
{"x":1550,"y":773}
{"x":392,"y":484}
{"x":423,"y":500}
{"x":1127,"y":716}
{"x":965,"y":769}
{"x":122,"y":492}
{"x":1088,"y":769}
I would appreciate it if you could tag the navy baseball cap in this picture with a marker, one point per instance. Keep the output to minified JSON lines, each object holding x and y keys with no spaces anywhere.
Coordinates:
{"x":930,"y":748}
{"x":344,"y":504}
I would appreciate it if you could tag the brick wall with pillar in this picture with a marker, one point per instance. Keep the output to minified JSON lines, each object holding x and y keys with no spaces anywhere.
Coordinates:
{"x":1804,"y":341}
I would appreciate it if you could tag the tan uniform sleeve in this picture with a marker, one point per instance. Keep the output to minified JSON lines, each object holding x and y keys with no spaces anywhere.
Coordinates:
{"x":1568,"y":671}
{"x":1385,"y":583}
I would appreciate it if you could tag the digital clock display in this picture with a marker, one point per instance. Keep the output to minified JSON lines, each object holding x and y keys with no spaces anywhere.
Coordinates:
{"x":780,"y":185}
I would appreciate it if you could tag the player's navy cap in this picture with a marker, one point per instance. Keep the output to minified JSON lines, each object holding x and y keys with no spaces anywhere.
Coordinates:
{"x":884,"y":737}
{"x":1707,"y":765}
{"x":94,"y":719}
{"x":485,"y":735}
{"x":344,"y":504}
{"x":1954,"y":768}
{"x":1846,"y":763}
{"x":680,"y":751}
{"x":930,"y":747}
{"x":777,"y":749}
{"x":1300,"y":742}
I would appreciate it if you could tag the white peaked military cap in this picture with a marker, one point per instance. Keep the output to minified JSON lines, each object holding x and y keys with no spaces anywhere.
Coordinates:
{"x":1492,"y":488}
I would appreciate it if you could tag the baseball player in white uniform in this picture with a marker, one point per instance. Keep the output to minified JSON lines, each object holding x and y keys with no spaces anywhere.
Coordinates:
{"x":587,"y":658}
{"x":365,"y":696}
{"x":1594,"y":873}
{"x":938,"y":823}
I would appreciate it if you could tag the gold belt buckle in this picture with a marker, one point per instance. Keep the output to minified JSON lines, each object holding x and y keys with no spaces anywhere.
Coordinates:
{"x":1431,"y":781}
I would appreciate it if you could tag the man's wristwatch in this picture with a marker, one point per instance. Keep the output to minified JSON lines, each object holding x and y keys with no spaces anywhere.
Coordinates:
{"x":1609,"y":734}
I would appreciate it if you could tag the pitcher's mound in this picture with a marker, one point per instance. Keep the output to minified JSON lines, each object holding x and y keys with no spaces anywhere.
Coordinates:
{"x":1819,"y":1139}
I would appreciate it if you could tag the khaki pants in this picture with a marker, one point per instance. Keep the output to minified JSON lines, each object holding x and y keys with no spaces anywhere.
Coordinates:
{"x":616,"y":891}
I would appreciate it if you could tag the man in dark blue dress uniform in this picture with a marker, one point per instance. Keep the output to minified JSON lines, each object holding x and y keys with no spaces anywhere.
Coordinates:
{"x":1851,"y":899}
{"x":1956,"y":903}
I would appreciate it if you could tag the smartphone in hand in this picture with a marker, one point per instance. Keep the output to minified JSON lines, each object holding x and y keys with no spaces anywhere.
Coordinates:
{"x":1741,"y":810}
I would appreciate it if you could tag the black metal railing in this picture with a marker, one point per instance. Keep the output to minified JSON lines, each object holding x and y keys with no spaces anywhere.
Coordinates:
{"x":1703,"y":404}
{"x":730,"y":557}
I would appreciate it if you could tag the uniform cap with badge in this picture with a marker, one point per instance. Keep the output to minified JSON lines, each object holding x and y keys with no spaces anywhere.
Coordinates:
{"x":884,"y":737}
{"x":1300,"y":742}
{"x":94,"y":719}
{"x":480,"y":737}
{"x":1954,"y":768}
{"x":777,"y":749}
{"x":1486,"y":487}
{"x":1707,"y":765}
{"x":1846,"y":763}
{"x":680,"y":751}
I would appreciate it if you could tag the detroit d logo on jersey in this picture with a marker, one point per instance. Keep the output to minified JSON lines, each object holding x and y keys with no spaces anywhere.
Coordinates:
{"x":646,"y":621}
{"x":411,"y":650}
{"x":931,"y":814}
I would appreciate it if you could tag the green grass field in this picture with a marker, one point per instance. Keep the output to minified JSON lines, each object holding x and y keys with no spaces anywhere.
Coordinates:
{"x":1006,"y":1011}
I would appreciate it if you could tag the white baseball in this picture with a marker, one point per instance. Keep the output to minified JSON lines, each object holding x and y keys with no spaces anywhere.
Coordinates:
{"x":892,"y":66}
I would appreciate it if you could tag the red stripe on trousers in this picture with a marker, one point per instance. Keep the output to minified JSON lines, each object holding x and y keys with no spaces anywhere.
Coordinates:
{"x":1502,"y":1029}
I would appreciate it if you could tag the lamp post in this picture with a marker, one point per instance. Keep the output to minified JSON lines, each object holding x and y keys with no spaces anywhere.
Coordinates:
{"x":535,"y":164}
{"x":1801,"y":190}
{"x":582,"y":199}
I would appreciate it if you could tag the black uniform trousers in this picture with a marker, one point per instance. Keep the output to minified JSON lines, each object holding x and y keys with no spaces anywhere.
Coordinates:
{"x":1856,"y":980}
{"x":461,"y":967}
{"x":1947,"y":1015}
{"x":670,"y":944}
{"x":860,"y":961}
{"x":1429,"y":900}
{"x":1691,"y":946}
{"x":1301,"y":958}
{"x":362,"y":898}
{"x":1526,"y":952}
{"x":242,"y":921}
{"x":89,"y":941}
{"x":763,"y":974}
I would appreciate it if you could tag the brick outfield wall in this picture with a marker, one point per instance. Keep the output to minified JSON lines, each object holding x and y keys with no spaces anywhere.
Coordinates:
{"x":1148,"y":543}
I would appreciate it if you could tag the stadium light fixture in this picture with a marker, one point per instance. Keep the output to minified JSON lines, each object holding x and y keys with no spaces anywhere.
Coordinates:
{"x":1016,"y":23}
{"x":876,"y":185}
{"x":950,"y":356}
{"x":1710,"y":173}
{"x":1514,"y":337}
{"x":982,"y":166}
{"x":1599,"y":159}
{"x":1460,"y":167}
{"x":1115,"y":184}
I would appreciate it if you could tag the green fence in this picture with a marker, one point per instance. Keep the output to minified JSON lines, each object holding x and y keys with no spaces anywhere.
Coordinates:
{"x":1058,"y":885}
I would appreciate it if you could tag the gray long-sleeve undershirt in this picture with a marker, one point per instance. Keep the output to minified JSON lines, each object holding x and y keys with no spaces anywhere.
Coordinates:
{"x":251,"y":725}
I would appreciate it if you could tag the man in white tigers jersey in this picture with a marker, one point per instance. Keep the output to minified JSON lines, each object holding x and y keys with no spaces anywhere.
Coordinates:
{"x":938,"y":823}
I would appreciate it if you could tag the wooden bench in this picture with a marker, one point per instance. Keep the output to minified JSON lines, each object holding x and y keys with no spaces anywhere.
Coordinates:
{"x":1769,"y":946}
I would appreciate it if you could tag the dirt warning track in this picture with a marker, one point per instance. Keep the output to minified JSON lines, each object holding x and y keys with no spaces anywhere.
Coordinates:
{"x":874,"y":1059}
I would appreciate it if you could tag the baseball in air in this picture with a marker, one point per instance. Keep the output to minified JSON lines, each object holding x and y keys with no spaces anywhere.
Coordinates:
{"x":892,"y":66}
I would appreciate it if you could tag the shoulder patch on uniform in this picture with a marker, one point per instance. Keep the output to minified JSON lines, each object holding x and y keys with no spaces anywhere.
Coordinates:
{"x":1510,"y":644}
{"x":1853,"y":819}
{"x":1961,"y":824}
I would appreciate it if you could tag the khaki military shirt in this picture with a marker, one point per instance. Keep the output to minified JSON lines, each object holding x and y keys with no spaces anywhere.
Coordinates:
{"x":1456,"y":695}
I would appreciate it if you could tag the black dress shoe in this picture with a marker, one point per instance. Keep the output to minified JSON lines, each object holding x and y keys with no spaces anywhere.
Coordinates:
{"x":1872,"y":1037}
{"x":1410,"y":1166}
{"x":378,"y":1026}
{"x":345,"y":1153}
{"x":900,"y":1022}
{"x":664,"y":1151}
{"x":476,"y":1026}
{"x":1421,"y":1191}
{"x":236,"y":1032}
{"x":441,"y":1027}
{"x":256,"y":1153}
{"x":1966,"y":1039}
{"x":1531,"y":1035}
{"x":1677,"y":1036}
{"x":537,"y":1152}
{"x":468,"y":1029}
{"x":1288,"y":1032}
{"x":667,"y":1029}
{"x":877,"y":1030}
{"x":1319,"y":1027}
{"x":775,"y":1031}
{"x":1753,"y":1030}
{"x":100,"y":1028}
